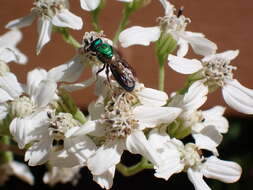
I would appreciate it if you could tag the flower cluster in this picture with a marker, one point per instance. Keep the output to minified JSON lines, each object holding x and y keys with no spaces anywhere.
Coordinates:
{"x":43,"y":120}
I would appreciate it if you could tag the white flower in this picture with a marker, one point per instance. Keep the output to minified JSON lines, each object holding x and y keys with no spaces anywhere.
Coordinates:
{"x":169,"y":24}
{"x":8,"y":50}
{"x":50,"y":138}
{"x":22,"y":100}
{"x":61,"y":175}
{"x":16,"y":169}
{"x":90,"y":5}
{"x":207,"y":132}
{"x":178,"y":157}
{"x":206,"y":126}
{"x":119,"y":118}
{"x":216,"y":71}
{"x":50,"y":12}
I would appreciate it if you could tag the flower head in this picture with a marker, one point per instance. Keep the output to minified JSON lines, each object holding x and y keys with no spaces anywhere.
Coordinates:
{"x":50,"y":12}
{"x":216,"y":71}
{"x":173,"y":24}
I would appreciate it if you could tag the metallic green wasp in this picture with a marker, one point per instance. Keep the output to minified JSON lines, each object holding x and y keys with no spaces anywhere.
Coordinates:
{"x":109,"y":56}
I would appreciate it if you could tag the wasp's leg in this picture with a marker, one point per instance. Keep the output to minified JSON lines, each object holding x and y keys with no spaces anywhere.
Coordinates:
{"x":100,"y":70}
{"x":107,"y":75}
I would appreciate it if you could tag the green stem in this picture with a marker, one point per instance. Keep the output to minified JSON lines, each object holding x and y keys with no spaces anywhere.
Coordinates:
{"x":161,"y":76}
{"x":95,"y":16}
{"x":132,"y":170}
{"x":124,"y":21}
{"x":5,"y":156}
{"x":67,"y":37}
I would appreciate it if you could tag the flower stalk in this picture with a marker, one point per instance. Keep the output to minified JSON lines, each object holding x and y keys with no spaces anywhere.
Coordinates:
{"x":132,"y":170}
{"x":67,"y":37}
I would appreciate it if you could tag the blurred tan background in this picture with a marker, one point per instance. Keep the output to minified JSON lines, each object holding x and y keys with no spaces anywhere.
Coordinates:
{"x":226,"y":22}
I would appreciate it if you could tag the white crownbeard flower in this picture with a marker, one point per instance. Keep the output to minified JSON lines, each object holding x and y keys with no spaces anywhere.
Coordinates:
{"x":8,"y":50}
{"x":22,"y":100}
{"x":217,"y":72}
{"x":177,"y":157}
{"x":169,"y":24}
{"x":119,"y":118}
{"x":17,"y":169}
{"x":49,"y":138}
{"x":206,"y":126}
{"x":50,"y":12}
{"x":91,"y":5}
{"x":62,"y":175}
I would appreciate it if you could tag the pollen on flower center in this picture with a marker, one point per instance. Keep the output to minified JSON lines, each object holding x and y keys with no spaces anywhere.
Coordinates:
{"x":173,"y":23}
{"x":217,"y":70}
{"x":118,"y":117}
{"x":191,"y":156}
{"x":58,"y":125}
{"x":48,"y":8}
{"x":22,"y":106}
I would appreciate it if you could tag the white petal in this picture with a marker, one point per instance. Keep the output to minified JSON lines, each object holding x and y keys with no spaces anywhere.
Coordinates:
{"x":20,"y":57}
{"x":105,"y":180}
{"x":77,"y":151}
{"x":68,"y":72}
{"x":80,"y":85}
{"x":45,"y":93}
{"x":150,"y":116}
{"x":127,"y":1}
{"x":170,"y":166}
{"x":168,"y":153}
{"x":208,"y":138}
{"x":67,"y":19}
{"x":89,"y":5}
{"x":238,"y":97}
{"x":214,"y":117}
{"x":22,"y":171}
{"x":107,"y":156}
{"x":168,"y":7}
{"x":28,"y":129}
{"x":137,"y":35}
{"x":90,"y":127}
{"x":225,"y":171}
{"x":9,"y":83}
{"x":3,"y":111}
{"x":22,"y":22}
{"x":34,"y":78}
{"x":196,"y":96}
{"x":200,"y":45}
{"x":216,"y":110}
{"x":10,"y":39}
{"x":227,"y":55}
{"x":4,"y":96}
{"x":38,"y":153}
{"x":183,"y":65}
{"x":137,"y":143}
{"x":45,"y":30}
{"x":183,"y":47}
{"x":196,"y":178}
{"x":149,"y":96}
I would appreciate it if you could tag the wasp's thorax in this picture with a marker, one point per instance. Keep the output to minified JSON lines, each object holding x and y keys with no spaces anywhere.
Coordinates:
{"x":217,"y":70}
{"x":58,"y":125}
{"x":118,"y":117}
{"x":48,"y":8}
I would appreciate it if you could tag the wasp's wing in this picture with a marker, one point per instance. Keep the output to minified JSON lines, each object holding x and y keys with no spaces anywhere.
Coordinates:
{"x":123,"y":73}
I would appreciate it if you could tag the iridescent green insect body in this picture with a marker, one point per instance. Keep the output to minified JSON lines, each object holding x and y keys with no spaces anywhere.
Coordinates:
{"x":122,"y":72}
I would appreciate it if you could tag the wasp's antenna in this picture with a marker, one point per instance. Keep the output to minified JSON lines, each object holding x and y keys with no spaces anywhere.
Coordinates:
{"x":180,"y":11}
